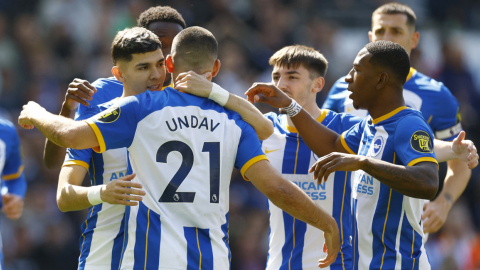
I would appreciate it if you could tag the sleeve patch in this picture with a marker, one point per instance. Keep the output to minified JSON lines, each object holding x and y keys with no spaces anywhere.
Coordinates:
{"x":421,"y":142}
{"x":110,"y":115}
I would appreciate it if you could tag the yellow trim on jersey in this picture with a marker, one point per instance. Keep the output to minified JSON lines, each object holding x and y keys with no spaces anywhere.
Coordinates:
{"x":410,"y":74}
{"x":250,"y":163}
{"x":388,"y":115}
{"x":345,"y":145}
{"x":341,"y":220}
{"x":293,"y":248}
{"x":101,"y":142}
{"x":384,"y":226}
{"x":296,"y":155}
{"x":170,"y":85}
{"x":319,"y":119}
{"x":146,"y":239}
{"x":76,"y":162}
{"x":422,"y":159}
{"x":199,"y":251}
{"x":13,"y":176}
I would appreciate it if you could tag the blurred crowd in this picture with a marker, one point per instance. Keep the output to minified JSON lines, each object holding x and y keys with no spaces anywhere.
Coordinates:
{"x":45,"y":44}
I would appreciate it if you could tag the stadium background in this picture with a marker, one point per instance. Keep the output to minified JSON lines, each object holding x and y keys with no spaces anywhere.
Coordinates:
{"x":45,"y":44}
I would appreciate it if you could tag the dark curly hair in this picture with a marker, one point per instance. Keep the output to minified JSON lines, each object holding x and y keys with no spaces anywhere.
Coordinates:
{"x":160,"y":14}
{"x":391,"y":56}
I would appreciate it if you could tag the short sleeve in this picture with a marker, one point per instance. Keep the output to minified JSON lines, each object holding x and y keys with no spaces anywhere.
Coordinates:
{"x":249,"y":149}
{"x":13,"y":167}
{"x":413,"y":141}
{"x":115,"y":127}
{"x":352,"y":137}
{"x":446,"y":122}
{"x":78,"y":157}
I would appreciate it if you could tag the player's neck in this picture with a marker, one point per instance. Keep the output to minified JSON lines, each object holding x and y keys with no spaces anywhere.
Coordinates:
{"x":385,"y":106}
{"x":312,"y":109}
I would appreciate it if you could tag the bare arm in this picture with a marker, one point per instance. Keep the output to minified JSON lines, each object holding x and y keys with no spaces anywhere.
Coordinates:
{"x":62,"y":131}
{"x":294,"y":201}
{"x":71,"y":196}
{"x":79,"y":91}
{"x":417,"y":181}
{"x":198,"y":85}
{"x":307,"y":127}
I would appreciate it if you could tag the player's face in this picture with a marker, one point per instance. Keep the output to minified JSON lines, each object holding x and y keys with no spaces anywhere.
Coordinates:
{"x":361,"y":81}
{"x":165,"y":31}
{"x":295,"y":82}
{"x":146,"y":71}
{"x":394,"y":27}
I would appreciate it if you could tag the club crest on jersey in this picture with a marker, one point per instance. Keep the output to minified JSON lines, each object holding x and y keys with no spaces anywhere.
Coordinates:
{"x":421,"y":142}
{"x":110,"y":115}
{"x":377,"y":146}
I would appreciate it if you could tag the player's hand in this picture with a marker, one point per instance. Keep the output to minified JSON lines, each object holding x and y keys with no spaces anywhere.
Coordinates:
{"x":12,"y":206}
{"x":79,"y":91}
{"x":331,"y":246}
{"x":195,"y":84}
{"x":122,"y":191}
{"x":435,"y":214}
{"x":268,"y":93}
{"x":465,"y":150}
{"x":31,"y":109}
{"x":335,"y":162}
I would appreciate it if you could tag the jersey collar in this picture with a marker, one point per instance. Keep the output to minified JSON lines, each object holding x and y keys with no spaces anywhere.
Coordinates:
{"x":411,"y":73}
{"x":388,"y":115}
{"x":319,"y":119}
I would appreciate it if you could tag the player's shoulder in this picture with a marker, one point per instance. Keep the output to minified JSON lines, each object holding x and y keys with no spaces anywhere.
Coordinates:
{"x":339,"y":121}
{"x":339,"y":89}
{"x":421,"y":82}
{"x":107,"y":83}
{"x":410,"y":118}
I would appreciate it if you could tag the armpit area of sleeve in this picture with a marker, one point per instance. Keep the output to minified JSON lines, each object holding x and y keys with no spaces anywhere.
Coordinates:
{"x":101,"y":142}
{"x":345,"y":145}
{"x":76,"y":162}
{"x":250,"y":163}
{"x":423,"y":159}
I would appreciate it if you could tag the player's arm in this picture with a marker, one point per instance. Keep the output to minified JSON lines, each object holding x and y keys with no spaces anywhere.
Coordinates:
{"x":310,"y":129}
{"x":60,"y":130}
{"x":79,"y":92}
{"x":195,"y":84}
{"x":72,"y":196}
{"x":294,"y":201}
{"x":417,"y":181}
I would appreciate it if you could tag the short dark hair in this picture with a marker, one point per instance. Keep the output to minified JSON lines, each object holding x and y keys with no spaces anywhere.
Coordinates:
{"x":397,"y":8}
{"x":160,"y":14}
{"x":296,"y":55}
{"x":194,"y":47}
{"x":133,"y":40}
{"x":391,"y":56}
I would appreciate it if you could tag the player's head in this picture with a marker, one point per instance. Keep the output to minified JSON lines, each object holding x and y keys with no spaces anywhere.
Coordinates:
{"x":395,"y":22}
{"x":378,"y":74}
{"x":138,"y":60}
{"x":299,"y":71}
{"x":194,"y":49}
{"x":166,"y":23}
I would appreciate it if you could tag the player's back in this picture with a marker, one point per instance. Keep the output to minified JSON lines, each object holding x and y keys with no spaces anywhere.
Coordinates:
{"x":183,"y":149}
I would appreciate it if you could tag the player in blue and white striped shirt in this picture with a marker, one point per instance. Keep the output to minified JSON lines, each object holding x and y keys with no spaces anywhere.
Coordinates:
{"x":101,"y":242}
{"x":183,"y":225}
{"x":395,"y":160}
{"x":11,"y":174}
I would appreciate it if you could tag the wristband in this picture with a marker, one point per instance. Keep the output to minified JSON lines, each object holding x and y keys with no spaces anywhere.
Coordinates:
{"x":293,"y":109}
{"x":94,"y":196}
{"x":219,"y":95}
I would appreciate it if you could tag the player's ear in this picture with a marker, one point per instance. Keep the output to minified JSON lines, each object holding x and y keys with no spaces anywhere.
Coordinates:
{"x":370,"y":33}
{"x":382,"y":80}
{"x":169,"y":63}
{"x":415,"y":39}
{"x":318,"y":84}
{"x":118,"y":74}
{"x":216,"y":68}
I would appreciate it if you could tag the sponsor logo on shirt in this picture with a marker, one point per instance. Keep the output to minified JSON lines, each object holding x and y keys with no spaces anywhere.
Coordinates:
{"x":110,"y":115}
{"x":365,"y":185}
{"x":313,"y":190}
{"x":421,"y":142}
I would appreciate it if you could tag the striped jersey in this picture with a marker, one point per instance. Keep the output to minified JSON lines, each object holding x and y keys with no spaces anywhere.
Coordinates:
{"x":437,"y":104}
{"x":388,"y":229}
{"x":11,"y":166}
{"x":183,"y":149}
{"x":101,"y":242}
{"x":293,"y":244}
